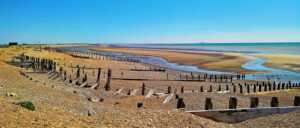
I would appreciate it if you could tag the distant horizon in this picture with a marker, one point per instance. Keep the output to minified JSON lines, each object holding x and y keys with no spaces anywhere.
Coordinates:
{"x":1,"y":43}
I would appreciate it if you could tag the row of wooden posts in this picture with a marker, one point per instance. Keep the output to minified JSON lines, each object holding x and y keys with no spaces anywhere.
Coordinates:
{"x":36,"y":63}
{"x":254,"y":102}
{"x":98,"y":55}
{"x":111,"y":56}
{"x":279,"y":86}
{"x":206,"y":77}
{"x":50,"y":67}
{"x":46,"y":64}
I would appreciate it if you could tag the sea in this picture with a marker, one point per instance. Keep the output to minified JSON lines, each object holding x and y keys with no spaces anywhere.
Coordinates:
{"x":267,"y":48}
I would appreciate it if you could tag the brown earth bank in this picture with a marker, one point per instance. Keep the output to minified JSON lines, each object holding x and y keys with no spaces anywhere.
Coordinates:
{"x":59,"y":104}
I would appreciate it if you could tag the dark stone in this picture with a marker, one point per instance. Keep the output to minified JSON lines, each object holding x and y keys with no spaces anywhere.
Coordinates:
{"x":140,"y":104}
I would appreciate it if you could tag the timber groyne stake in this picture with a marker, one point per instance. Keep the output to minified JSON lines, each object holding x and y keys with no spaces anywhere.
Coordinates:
{"x":169,"y":90}
{"x":297,"y":101}
{"x":143,"y":89}
{"x":254,"y":102}
{"x":107,"y":86}
{"x":208,"y":104}
{"x":180,"y":103}
{"x":274,"y":102}
{"x":232,"y":103}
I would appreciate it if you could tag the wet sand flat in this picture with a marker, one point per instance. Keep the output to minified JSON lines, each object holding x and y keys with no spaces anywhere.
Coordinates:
{"x":287,"y":62}
{"x":215,"y":61}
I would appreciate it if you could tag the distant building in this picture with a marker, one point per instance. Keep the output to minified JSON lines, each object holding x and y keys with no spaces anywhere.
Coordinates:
{"x":13,"y":43}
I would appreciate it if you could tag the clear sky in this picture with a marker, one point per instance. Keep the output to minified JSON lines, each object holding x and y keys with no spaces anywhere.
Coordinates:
{"x":149,"y":21}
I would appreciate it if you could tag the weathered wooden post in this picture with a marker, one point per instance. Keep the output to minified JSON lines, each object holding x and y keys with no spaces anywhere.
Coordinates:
{"x":169,"y":90}
{"x":176,"y":96}
{"x":128,"y":92}
{"x":143,"y":89}
{"x":65,"y":75}
{"x":293,"y":85}
{"x":210,"y":88}
{"x":254,"y":102}
{"x":201,"y":89}
{"x":274,"y":102}
{"x":54,"y":66}
{"x":248,"y":88}
{"x":98,"y":76}
{"x":297,"y":101}
{"x":265,"y":87}
{"x":70,"y":81}
{"x":208,"y":104}
{"x":180,"y":103}
{"x":241,"y":89}
{"x":216,"y":78}
{"x":167,"y":76}
{"x":182,"y":89}
{"x":107,"y":86}
{"x":221,"y":78}
{"x":78,"y":75}
{"x":259,"y":88}
{"x":84,"y":78}
{"x":234,"y":88}
{"x":232,"y":103}
{"x":83,"y":69}
{"x":220,"y":88}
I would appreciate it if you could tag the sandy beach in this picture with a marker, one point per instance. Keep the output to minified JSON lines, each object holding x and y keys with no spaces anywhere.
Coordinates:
{"x":215,"y":61}
{"x":59,"y":104}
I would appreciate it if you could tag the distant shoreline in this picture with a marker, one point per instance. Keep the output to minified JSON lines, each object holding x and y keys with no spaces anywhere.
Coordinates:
{"x":201,"y":43}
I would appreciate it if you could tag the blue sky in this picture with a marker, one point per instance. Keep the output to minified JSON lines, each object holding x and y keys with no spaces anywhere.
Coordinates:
{"x":149,"y":21}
